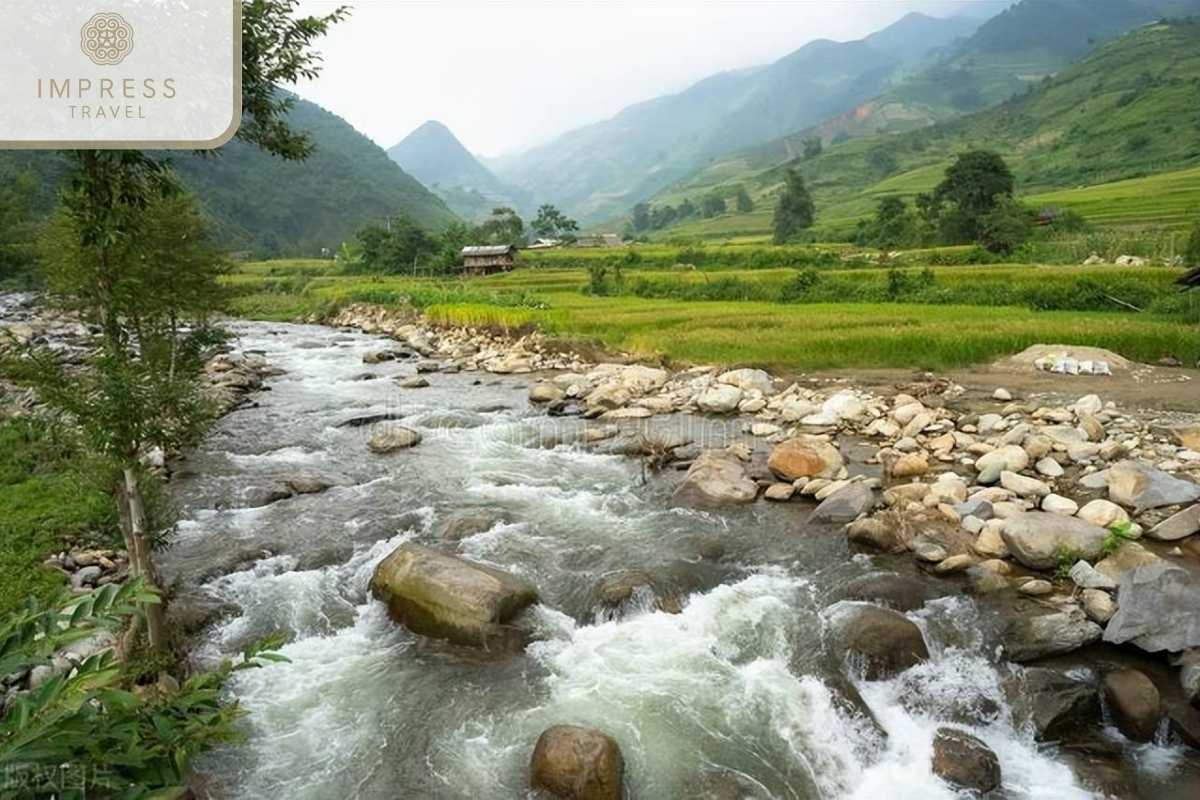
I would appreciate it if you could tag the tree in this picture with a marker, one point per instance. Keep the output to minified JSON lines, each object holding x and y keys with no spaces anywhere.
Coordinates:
{"x":1191,"y":251}
{"x":641,"y":217}
{"x":892,"y":226}
{"x":17,"y":225}
{"x":812,"y":147}
{"x":1006,"y":227}
{"x":502,"y":227}
{"x":794,"y":212}
{"x":393,"y":248}
{"x":974,"y":182}
{"x":105,"y":255}
{"x":686,"y":208}
{"x":744,"y":204}
{"x":882,"y":162}
{"x":552,"y":224}
{"x":972,"y":188}
{"x":713,"y":205}
{"x":662,"y":216}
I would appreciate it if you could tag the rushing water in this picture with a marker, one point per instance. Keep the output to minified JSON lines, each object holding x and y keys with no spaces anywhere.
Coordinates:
{"x":731,"y":691}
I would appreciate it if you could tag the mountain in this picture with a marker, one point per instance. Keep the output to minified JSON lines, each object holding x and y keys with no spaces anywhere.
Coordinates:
{"x":598,"y":171}
{"x":433,"y":155}
{"x":1025,"y":43}
{"x":1128,"y":109}
{"x":261,"y":203}
{"x":1009,"y":54}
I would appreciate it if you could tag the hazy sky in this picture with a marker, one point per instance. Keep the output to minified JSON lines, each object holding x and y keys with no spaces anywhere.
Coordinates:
{"x":507,"y":74}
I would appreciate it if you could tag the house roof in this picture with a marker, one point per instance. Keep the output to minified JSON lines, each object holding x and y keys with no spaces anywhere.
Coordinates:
{"x":488,"y":250}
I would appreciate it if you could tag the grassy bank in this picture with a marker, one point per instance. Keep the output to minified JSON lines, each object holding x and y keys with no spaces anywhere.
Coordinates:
{"x":858,"y":317}
{"x":48,"y":496}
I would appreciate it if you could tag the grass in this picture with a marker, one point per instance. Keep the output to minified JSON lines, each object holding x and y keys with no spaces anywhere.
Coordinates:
{"x":48,"y":496}
{"x":807,"y":336}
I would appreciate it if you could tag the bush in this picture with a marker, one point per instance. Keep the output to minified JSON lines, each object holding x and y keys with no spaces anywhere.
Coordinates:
{"x":799,"y":285}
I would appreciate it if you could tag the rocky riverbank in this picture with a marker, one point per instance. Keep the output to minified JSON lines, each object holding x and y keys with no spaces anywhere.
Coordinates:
{"x":1072,"y":520}
{"x":230,"y":380}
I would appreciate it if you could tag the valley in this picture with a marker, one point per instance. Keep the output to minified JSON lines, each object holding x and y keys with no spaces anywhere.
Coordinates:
{"x":821,"y":423}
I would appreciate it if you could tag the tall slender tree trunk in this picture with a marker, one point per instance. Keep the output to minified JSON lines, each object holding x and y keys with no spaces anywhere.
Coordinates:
{"x":141,"y":560}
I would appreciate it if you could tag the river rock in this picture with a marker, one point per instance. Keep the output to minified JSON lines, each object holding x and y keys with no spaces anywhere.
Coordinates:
{"x":415,"y":382}
{"x":1098,"y":605}
{"x":1049,"y":468}
{"x":1023,"y":486}
{"x":965,"y":761}
{"x":748,"y":380}
{"x":1179,"y":526}
{"x":1104,"y":513}
{"x":1140,"y":487}
{"x":1057,"y":504}
{"x":448,"y":597}
{"x":392,"y":439}
{"x":882,"y":642}
{"x":1135,"y":703}
{"x":1144,"y":593}
{"x":306,"y":485}
{"x":578,"y":764}
{"x":844,"y":505}
{"x":1030,"y":636}
{"x":1038,"y":539}
{"x":542,"y":393}
{"x":1052,"y":702}
{"x":618,"y":587}
{"x":910,"y":465}
{"x":779,"y":492}
{"x":873,"y":532}
{"x":805,"y":457}
{"x":717,"y":478}
{"x":990,"y":542}
{"x":1009,"y":458}
{"x":719,"y":399}
{"x":1086,"y":576}
{"x":1129,"y":556}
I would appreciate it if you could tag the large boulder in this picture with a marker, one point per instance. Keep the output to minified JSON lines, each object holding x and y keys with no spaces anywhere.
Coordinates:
{"x":965,"y":761}
{"x":1140,"y":487}
{"x":717,"y":478}
{"x":805,"y":457}
{"x":1136,"y":706}
{"x":1144,"y":593}
{"x":1030,"y":636}
{"x":1053,"y":702}
{"x":1038,"y":539}
{"x":577,"y":763}
{"x":447,"y":597}
{"x":882,"y":642}
{"x":845,"y":505}
{"x":394,"y":438}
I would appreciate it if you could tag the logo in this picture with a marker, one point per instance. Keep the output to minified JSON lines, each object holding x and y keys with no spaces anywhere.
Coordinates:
{"x":107,"y":39}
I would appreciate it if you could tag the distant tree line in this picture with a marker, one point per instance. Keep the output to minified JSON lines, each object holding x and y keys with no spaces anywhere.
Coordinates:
{"x":647,"y":217}
{"x":398,"y":246}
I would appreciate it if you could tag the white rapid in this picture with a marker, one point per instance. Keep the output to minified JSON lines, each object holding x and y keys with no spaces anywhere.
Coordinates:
{"x":720,"y":700}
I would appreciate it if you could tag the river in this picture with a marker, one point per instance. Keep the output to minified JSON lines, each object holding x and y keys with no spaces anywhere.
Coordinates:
{"x":732,"y":691}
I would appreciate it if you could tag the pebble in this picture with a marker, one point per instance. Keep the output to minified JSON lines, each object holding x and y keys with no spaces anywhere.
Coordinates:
{"x":1036,"y":588}
{"x":1057,"y":504}
{"x":1002,"y":395}
{"x":928,"y":551}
